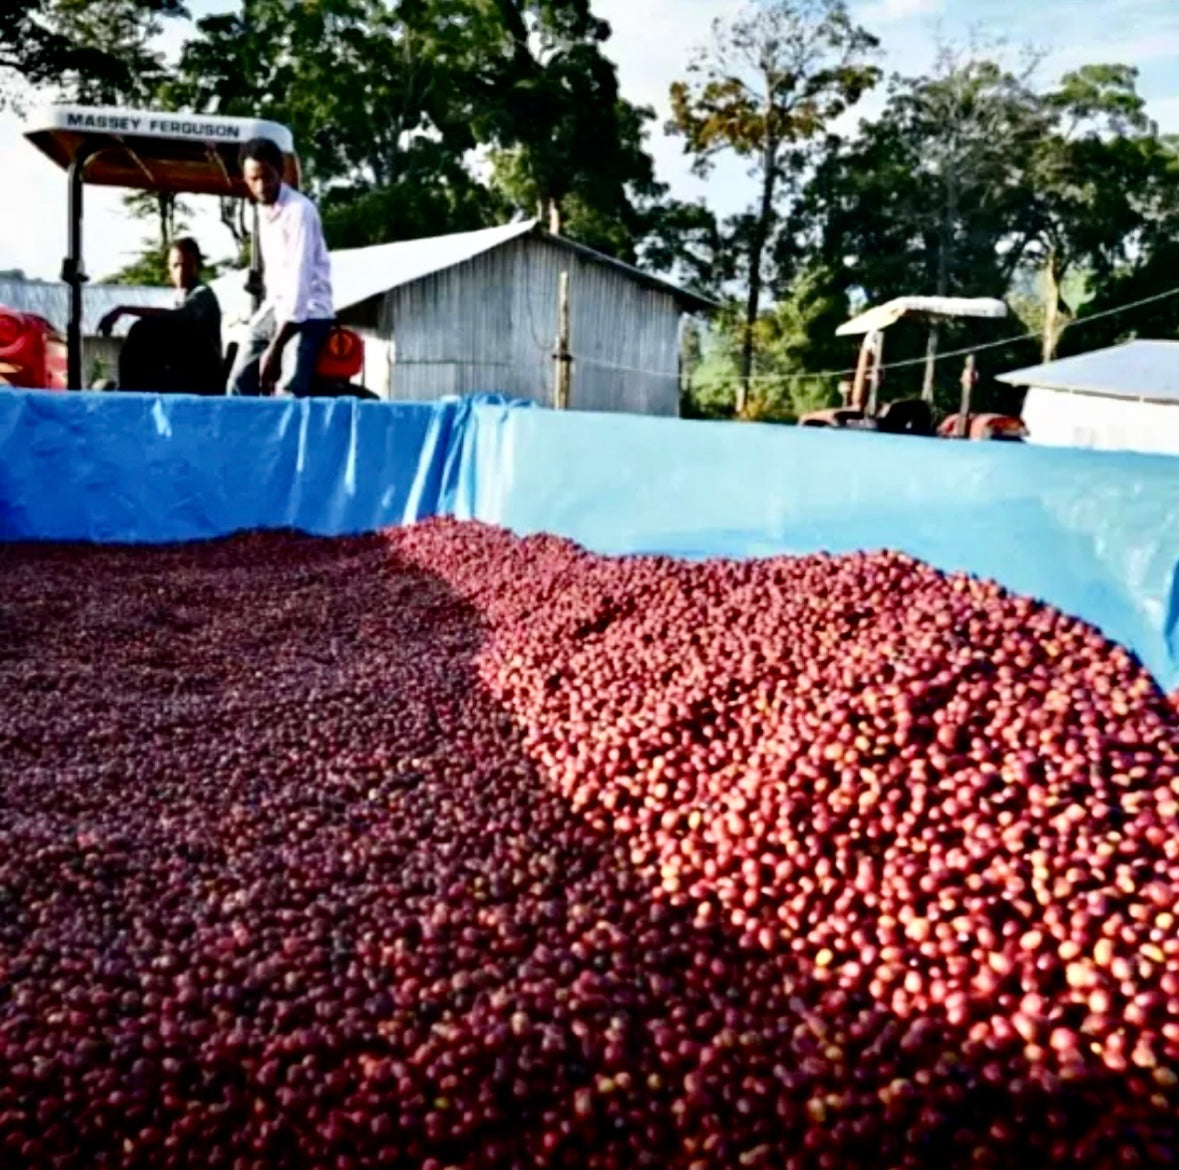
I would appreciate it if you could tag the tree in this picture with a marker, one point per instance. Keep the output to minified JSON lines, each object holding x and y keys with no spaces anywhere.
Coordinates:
{"x":431,"y":84}
{"x":685,"y":243}
{"x":151,"y":266}
{"x":773,"y":81}
{"x":1084,"y":209}
{"x":63,"y":42}
{"x":435,"y":193}
{"x":565,"y":146}
{"x":920,"y":201}
{"x":972,"y":182}
{"x":383,"y":151}
{"x":123,"y":32}
{"x":603,"y":203}
{"x":1145,"y":275}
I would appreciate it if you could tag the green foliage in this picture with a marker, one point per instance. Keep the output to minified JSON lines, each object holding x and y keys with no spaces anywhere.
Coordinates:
{"x":791,"y":340}
{"x":776,"y":77}
{"x":920,"y":201}
{"x":357,"y":216}
{"x":1149,"y":265}
{"x":149,"y":268}
{"x":431,"y":83}
{"x":545,"y":93}
{"x":95,"y":50}
{"x":685,"y":241}
{"x":972,"y":182}
{"x":766,"y":91}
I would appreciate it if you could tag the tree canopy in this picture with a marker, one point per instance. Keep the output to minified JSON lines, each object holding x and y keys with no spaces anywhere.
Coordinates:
{"x":100,"y":48}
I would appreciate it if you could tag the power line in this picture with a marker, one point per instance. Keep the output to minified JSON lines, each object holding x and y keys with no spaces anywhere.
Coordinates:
{"x":966,"y":351}
{"x":581,"y":359}
{"x":821,"y":375}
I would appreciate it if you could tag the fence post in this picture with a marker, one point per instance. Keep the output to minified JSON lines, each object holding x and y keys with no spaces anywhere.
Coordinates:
{"x":563,"y":358}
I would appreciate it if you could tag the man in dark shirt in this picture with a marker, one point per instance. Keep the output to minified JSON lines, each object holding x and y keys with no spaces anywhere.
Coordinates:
{"x":174,"y":350}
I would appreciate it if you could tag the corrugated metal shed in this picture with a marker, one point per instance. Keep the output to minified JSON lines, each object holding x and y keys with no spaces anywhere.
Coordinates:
{"x":1141,"y":371}
{"x":491,"y":324}
{"x":50,"y":299}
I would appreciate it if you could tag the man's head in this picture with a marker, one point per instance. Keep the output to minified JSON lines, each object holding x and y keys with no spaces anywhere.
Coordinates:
{"x":262,"y":167}
{"x":184,"y":263}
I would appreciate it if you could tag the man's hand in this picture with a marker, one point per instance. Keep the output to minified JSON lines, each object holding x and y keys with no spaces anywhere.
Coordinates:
{"x":108,"y":322}
{"x":269,"y":371}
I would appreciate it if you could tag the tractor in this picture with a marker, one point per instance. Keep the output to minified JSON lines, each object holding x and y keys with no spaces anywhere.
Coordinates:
{"x":170,"y":153}
{"x":912,"y":416}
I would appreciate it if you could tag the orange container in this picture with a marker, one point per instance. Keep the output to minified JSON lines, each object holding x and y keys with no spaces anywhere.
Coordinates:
{"x":342,"y":355}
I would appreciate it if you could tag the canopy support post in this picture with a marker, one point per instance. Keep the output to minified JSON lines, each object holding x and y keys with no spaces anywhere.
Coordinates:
{"x":931,"y":347}
{"x":73,"y":270}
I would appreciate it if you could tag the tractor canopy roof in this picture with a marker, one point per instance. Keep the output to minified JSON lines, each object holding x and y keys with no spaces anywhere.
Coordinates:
{"x":882,"y":316}
{"x":156,"y":150}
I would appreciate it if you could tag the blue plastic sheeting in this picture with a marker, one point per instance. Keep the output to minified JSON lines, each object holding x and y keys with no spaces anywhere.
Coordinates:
{"x":142,"y":468}
{"x":1096,"y":534}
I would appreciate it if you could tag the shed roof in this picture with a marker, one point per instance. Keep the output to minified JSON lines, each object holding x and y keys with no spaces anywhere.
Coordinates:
{"x":1142,"y":371}
{"x":50,"y":299}
{"x":359,"y":274}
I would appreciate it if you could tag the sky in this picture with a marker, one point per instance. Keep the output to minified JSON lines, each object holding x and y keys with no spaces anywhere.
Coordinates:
{"x":651,"y":44}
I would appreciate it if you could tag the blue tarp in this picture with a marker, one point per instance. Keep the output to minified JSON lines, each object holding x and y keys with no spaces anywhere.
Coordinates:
{"x":1096,"y":534}
{"x":144,"y":468}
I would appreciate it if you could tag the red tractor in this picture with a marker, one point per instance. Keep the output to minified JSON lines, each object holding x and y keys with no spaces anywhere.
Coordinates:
{"x":159,"y":152}
{"x":32,"y":352}
{"x":912,"y":416}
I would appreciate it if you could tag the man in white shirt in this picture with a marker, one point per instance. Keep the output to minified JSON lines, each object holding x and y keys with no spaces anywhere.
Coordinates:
{"x":298,"y":279}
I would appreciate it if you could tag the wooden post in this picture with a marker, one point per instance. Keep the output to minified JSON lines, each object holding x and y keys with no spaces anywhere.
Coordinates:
{"x":969,"y":378}
{"x":874,"y":375}
{"x":563,"y":358}
{"x":930,"y":362}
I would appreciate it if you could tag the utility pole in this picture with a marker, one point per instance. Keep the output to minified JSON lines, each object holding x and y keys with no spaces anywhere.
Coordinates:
{"x":563,"y":358}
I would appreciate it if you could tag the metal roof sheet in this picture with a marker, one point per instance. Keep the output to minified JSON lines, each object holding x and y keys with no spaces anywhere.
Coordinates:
{"x":1145,"y":371}
{"x":50,"y":299}
{"x":361,"y":273}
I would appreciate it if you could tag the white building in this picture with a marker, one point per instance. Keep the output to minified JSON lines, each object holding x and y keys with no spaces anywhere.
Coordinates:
{"x":1125,"y":398}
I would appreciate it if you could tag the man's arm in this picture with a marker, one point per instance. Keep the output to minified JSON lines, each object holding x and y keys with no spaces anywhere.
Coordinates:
{"x":108,"y":321}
